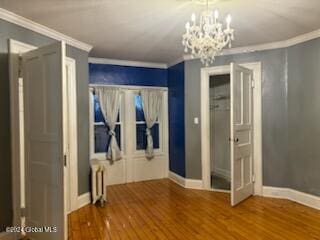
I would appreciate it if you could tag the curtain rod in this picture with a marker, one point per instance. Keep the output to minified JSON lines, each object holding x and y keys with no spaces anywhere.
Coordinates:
{"x":127,"y":87}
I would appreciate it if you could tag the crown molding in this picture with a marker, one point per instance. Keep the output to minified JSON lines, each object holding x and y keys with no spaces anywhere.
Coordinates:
{"x":303,"y":38}
{"x":274,"y":45}
{"x":261,"y":47}
{"x":26,"y":23}
{"x":36,"y":27}
{"x":127,"y":63}
{"x":232,"y":51}
{"x":180,"y":60}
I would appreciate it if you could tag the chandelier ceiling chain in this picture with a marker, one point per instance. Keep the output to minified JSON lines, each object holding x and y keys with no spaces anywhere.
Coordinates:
{"x":207,"y":39}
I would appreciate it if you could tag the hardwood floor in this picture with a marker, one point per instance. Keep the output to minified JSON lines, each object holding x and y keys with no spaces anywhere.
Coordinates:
{"x":161,"y":209}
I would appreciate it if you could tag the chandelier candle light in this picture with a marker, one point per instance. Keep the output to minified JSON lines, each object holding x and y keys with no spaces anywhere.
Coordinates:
{"x":209,"y":38}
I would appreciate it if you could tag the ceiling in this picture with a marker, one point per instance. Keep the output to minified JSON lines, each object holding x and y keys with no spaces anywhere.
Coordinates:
{"x":151,"y":30}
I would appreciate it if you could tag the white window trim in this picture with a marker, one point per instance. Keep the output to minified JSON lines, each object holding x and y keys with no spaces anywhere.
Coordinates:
{"x":128,"y":92}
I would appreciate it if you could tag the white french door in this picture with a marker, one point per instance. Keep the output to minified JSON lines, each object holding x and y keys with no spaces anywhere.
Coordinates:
{"x":241,"y":133}
{"x":133,"y":166}
{"x":142,"y":168}
{"x":44,"y":76}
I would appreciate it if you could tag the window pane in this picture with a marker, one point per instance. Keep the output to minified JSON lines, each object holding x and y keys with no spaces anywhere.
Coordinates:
{"x":102,"y":138}
{"x":98,"y":116}
{"x":139,"y":109}
{"x":142,"y":137}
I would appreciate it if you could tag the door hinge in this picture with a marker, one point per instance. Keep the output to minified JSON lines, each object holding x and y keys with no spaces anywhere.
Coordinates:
{"x":253,"y":178}
{"x":20,"y":67}
{"x":252,"y":83}
{"x":65,"y":160}
{"x":23,"y":212}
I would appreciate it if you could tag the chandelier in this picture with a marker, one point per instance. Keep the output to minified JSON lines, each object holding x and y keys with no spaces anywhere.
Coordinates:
{"x":207,"y":39}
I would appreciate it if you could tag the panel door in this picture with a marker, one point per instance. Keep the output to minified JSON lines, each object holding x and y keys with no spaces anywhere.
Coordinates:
{"x":43,"y":75}
{"x":241,"y":133}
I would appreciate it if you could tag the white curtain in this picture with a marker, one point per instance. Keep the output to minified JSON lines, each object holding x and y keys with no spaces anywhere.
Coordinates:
{"x":109,"y":99}
{"x":151,"y":103}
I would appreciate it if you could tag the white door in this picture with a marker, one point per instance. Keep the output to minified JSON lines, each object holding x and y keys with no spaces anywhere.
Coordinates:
{"x":44,"y":73}
{"x":241,"y":133}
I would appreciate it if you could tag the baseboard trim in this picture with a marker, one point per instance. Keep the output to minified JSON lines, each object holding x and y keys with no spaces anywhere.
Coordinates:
{"x":193,"y":184}
{"x":185,"y":182}
{"x":177,"y":179}
{"x":273,"y":192}
{"x":84,"y":200}
{"x":293,"y":195}
{"x":8,"y":236}
{"x":222,"y":173}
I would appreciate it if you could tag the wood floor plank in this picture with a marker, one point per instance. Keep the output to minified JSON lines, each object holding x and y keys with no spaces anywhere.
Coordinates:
{"x":161,"y":210}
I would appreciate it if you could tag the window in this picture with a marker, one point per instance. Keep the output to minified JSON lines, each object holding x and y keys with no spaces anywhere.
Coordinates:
{"x":141,"y":138}
{"x":130,"y":126}
{"x":101,"y":136}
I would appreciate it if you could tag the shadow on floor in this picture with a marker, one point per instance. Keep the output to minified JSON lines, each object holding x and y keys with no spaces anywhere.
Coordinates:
{"x":220,"y":183}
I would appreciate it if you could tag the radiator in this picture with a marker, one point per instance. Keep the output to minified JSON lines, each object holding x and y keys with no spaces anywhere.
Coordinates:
{"x":98,"y":179}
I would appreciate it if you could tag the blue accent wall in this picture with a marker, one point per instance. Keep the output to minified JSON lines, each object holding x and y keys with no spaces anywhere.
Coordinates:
{"x":126,"y":75}
{"x":176,"y":119}
{"x":173,"y":78}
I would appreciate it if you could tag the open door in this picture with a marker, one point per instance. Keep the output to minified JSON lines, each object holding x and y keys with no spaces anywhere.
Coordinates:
{"x":241,"y":133}
{"x":44,"y":76}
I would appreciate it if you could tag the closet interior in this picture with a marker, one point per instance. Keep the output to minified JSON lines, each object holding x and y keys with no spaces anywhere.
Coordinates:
{"x":220,"y":132}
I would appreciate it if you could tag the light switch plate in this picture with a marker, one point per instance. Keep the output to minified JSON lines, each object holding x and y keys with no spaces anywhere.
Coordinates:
{"x":196,"y":120}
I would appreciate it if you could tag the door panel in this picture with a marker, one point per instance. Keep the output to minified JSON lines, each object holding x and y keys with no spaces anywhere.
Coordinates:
{"x":241,"y":134}
{"x":43,"y":75}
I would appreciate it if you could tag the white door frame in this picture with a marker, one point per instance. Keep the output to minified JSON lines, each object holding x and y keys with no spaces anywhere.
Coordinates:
{"x":17,"y":48}
{"x":205,"y":122}
{"x":72,"y":161}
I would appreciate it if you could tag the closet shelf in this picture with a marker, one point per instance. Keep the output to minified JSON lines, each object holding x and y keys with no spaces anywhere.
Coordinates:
{"x":221,"y":97}
{"x":218,"y":108}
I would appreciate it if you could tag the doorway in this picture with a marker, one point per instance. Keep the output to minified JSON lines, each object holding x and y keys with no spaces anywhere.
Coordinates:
{"x":23,"y":70}
{"x":244,"y":138}
{"x":220,"y":132}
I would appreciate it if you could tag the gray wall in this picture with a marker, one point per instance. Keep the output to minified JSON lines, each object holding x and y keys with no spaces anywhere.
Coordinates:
{"x":7,"y":31}
{"x":290,"y":115}
{"x":274,"y":113}
{"x":304,"y":116}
